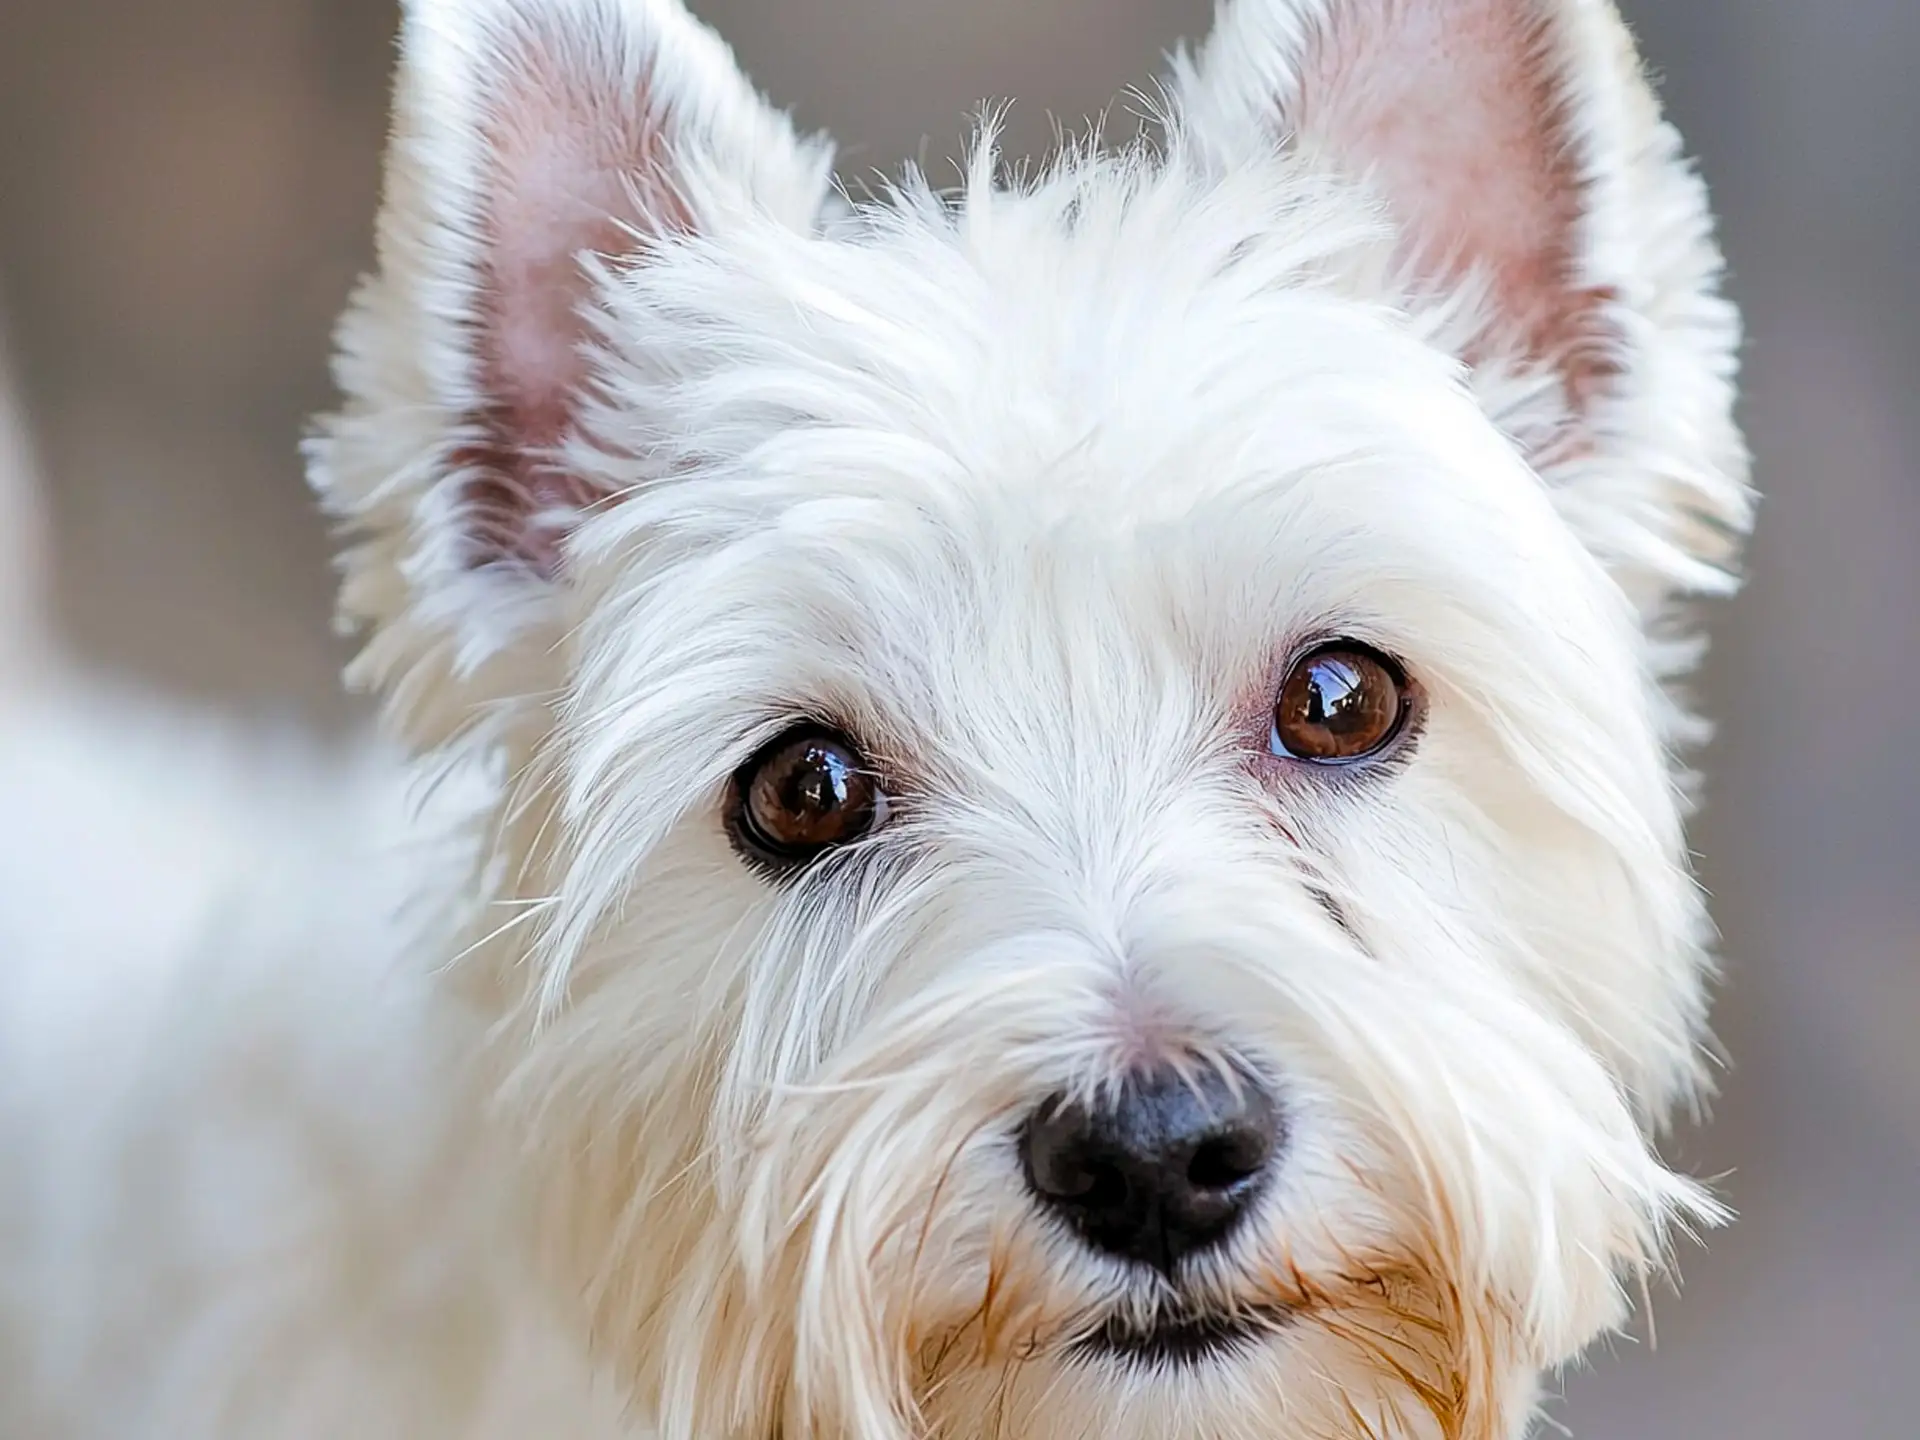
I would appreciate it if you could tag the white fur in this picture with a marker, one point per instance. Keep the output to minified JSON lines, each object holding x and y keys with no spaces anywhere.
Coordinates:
{"x":489,"y":1093}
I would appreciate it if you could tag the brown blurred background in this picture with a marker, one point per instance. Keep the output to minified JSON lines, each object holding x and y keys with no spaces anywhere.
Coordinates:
{"x":185,"y":195}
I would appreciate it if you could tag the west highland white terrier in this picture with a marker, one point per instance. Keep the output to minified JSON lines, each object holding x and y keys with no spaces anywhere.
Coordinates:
{"x":1049,"y":812}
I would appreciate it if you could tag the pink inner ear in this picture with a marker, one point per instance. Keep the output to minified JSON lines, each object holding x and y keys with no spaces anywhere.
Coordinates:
{"x":569,"y":149}
{"x":1457,"y":110}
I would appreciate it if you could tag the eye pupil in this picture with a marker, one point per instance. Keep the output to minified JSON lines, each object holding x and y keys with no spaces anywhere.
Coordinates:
{"x":1341,"y":702}
{"x":803,"y":794}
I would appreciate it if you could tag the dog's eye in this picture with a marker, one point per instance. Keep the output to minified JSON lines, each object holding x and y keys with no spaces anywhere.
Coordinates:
{"x":805,"y":793}
{"x":1340,"y":702}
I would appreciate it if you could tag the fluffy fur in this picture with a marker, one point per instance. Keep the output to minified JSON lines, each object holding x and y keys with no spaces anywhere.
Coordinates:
{"x":489,"y":1093}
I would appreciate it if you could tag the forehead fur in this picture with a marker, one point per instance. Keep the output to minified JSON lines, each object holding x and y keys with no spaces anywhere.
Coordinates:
{"x":1111,"y":325}
{"x":1118,"y":353}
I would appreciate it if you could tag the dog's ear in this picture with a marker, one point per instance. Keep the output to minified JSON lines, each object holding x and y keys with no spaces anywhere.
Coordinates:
{"x":1536,"y":194}
{"x":529,"y":137}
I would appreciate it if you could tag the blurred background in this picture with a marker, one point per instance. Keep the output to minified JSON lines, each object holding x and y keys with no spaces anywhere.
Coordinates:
{"x":186,"y":188}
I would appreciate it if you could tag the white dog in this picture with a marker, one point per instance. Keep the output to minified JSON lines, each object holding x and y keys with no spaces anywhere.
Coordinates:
{"x":1043,"y":813}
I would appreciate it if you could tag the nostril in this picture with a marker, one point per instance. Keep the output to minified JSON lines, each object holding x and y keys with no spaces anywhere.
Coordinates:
{"x":1065,"y":1163}
{"x":1066,"y":1175}
{"x":1224,"y":1161}
{"x":1106,"y":1188}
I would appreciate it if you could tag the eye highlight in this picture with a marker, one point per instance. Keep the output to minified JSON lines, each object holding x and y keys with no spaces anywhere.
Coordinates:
{"x":805,"y":793}
{"x":1341,"y":702}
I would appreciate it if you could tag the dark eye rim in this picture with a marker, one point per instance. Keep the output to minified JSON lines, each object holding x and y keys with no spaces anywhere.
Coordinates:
{"x":759,"y":849}
{"x":1393,"y":745}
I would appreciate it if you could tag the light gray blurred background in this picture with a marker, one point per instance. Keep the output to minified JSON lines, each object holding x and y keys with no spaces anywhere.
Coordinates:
{"x":185,"y":195}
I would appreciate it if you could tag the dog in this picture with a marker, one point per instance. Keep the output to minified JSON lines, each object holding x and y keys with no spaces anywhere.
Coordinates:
{"x":1048,"y":811}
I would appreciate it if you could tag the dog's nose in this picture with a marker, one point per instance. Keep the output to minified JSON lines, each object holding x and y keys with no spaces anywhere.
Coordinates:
{"x":1163,"y":1168}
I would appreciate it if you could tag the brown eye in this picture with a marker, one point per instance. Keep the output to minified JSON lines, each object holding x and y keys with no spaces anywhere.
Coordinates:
{"x":1340,"y":702}
{"x":805,"y":793}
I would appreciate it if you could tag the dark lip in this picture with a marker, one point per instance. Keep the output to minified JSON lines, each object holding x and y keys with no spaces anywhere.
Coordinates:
{"x":1181,"y":1341}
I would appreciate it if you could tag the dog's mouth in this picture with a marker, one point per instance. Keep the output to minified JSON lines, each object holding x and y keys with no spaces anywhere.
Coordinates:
{"x":1180,"y":1340}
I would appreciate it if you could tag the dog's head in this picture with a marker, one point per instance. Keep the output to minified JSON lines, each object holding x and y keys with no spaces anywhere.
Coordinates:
{"x":1093,"y":845}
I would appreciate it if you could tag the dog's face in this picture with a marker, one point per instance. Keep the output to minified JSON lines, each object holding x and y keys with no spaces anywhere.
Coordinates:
{"x":1093,"y":833}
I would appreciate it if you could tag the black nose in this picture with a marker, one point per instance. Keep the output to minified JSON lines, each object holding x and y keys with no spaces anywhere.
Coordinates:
{"x":1162,"y":1168}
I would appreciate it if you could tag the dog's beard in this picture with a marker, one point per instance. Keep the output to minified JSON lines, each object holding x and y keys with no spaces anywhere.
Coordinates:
{"x":1357,"y":1346}
{"x":1381,"y":1349}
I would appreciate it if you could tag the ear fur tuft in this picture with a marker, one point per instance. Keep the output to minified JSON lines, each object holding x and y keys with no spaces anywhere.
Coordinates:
{"x":529,"y":137}
{"x":1538,"y":197}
